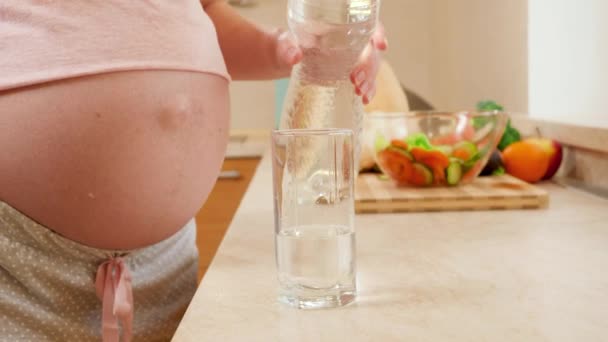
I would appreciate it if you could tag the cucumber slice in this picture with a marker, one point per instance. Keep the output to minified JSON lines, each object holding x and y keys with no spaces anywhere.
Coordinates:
{"x":453,"y":173}
{"x":422,"y":175}
{"x":468,"y":145}
{"x":384,"y":177}
{"x":464,"y":150}
{"x":401,"y":151}
{"x":472,"y":161}
{"x":445,"y":149}
{"x":455,"y":160}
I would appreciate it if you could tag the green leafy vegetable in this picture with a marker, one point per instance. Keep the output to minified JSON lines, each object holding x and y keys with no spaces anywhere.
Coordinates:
{"x":510,"y":136}
{"x":494,"y":163}
{"x":419,"y":140}
{"x":485,"y":106}
{"x":488,"y":106}
{"x":499,"y":171}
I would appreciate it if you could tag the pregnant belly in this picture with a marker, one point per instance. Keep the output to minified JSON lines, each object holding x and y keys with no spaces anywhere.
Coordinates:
{"x":117,"y":161}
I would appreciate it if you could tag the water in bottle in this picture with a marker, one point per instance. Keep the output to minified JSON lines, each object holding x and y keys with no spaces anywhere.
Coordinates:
{"x":332,"y":35}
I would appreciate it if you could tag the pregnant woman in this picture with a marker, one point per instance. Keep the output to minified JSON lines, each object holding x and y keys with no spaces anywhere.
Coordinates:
{"x":113,"y":124}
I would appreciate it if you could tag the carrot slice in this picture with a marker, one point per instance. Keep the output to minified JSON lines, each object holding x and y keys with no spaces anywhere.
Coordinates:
{"x":439,"y":176}
{"x":395,"y":165}
{"x":462,"y":154}
{"x":421,"y":175}
{"x":435,"y":160}
{"x":431,"y":159}
{"x":399,"y":143}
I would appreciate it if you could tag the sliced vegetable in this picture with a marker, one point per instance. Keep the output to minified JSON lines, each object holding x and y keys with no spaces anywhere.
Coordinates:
{"x":446,"y":149}
{"x":383,"y":177}
{"x":396,"y":164}
{"x":464,"y":150}
{"x":432,"y":158}
{"x":401,"y":151}
{"x":467,"y":165}
{"x":421,"y":175}
{"x":435,"y":160}
{"x":455,"y":160}
{"x":399,"y":143}
{"x":438,"y":175}
{"x":416,"y":161}
{"x":454,"y":173}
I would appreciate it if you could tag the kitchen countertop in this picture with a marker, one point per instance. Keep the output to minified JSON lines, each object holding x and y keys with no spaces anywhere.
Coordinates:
{"x":538,"y":275}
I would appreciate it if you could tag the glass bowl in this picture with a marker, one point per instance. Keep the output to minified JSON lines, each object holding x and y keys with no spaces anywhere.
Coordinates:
{"x":425,"y":149}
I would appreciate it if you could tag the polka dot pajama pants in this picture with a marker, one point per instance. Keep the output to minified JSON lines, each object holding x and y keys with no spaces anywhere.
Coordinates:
{"x":54,"y":289}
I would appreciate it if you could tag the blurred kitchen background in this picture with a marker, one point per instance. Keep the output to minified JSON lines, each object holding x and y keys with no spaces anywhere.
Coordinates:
{"x":548,"y":58}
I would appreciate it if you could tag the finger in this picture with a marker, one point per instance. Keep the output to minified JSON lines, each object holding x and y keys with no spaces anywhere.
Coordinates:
{"x":358,"y":76}
{"x":288,"y":52}
{"x":365,"y":87}
{"x":370,"y":95}
{"x":366,"y":70}
{"x":358,"y":91}
{"x":363,"y":69}
{"x":379,"y":38}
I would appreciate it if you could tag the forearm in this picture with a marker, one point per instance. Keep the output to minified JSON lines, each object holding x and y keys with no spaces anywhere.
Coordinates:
{"x":249,"y":51}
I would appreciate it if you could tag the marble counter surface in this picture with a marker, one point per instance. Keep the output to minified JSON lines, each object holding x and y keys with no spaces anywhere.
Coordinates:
{"x":539,"y":275}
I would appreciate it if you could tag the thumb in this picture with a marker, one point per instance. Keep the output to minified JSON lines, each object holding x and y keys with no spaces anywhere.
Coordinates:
{"x":379,"y":38}
{"x":287,"y":51}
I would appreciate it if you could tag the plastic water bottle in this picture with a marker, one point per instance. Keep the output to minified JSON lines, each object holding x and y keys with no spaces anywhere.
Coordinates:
{"x":332,"y":35}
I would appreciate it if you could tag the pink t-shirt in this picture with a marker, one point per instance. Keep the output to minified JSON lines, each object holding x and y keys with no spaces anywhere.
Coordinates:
{"x":46,"y":40}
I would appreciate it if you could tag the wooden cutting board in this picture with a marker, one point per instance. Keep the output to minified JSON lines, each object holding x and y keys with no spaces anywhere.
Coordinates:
{"x":374,"y":195}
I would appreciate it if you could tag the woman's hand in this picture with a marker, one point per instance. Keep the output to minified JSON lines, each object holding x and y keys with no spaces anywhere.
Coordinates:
{"x":363,"y":75}
{"x":287,"y":51}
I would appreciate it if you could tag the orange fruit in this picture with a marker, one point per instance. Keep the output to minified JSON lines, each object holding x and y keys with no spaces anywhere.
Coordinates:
{"x":526,"y":161}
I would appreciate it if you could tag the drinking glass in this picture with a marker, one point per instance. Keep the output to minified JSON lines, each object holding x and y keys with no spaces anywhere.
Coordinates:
{"x":313,"y":177}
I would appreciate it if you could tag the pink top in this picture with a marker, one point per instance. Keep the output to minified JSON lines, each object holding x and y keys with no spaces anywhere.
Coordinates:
{"x":46,"y":40}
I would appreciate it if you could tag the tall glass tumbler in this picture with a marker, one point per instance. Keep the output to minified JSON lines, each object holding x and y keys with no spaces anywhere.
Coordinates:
{"x":314,"y":216}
